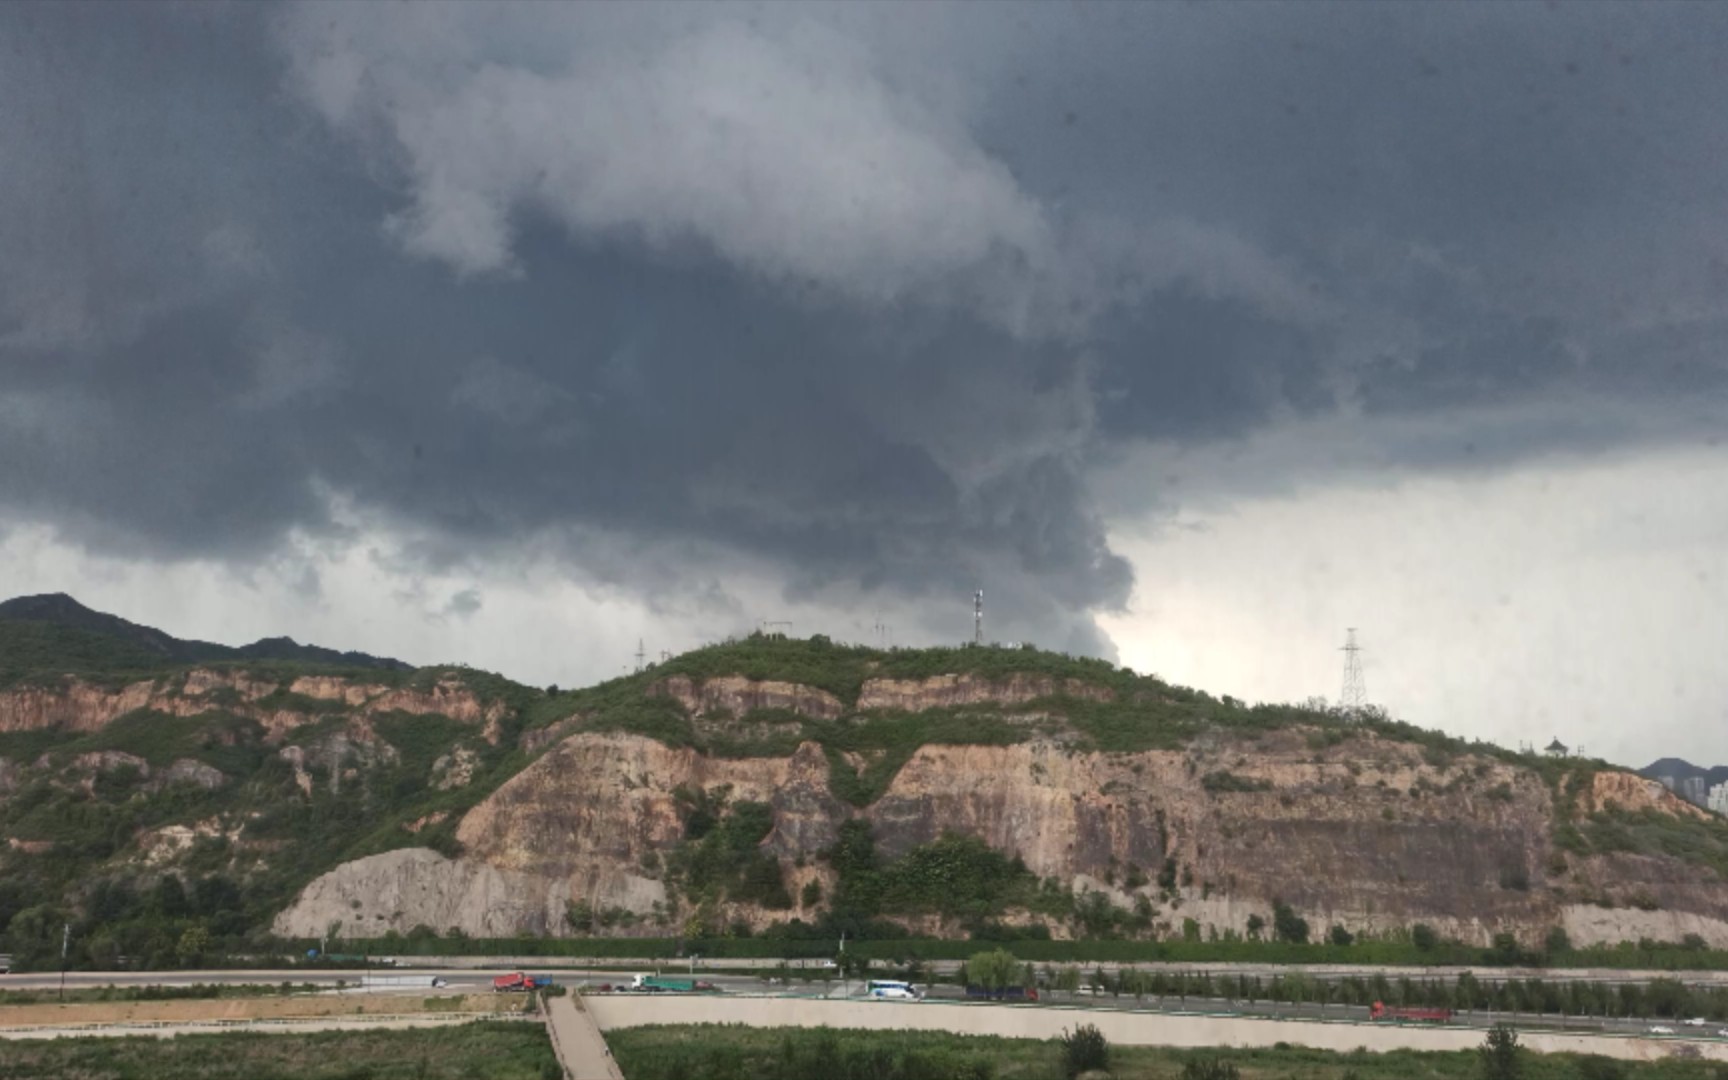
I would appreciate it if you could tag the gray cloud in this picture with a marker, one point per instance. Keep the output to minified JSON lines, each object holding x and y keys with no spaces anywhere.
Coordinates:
{"x":862,"y":302}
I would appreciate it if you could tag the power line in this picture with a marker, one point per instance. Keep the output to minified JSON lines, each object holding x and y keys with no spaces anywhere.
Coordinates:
{"x":1355,"y":693}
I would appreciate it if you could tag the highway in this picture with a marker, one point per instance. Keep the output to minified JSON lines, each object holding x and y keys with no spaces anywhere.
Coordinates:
{"x":474,"y":980}
{"x":1330,"y":972}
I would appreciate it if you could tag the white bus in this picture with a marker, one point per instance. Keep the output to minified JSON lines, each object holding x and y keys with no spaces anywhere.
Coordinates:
{"x":890,"y":990}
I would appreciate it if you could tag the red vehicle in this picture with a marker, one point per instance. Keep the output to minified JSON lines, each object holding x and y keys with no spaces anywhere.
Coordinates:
{"x":517,"y":982}
{"x":1421,"y":1016}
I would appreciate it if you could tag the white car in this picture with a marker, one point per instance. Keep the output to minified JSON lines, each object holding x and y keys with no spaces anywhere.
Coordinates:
{"x":1696,"y":1021}
{"x":1659,"y":1029}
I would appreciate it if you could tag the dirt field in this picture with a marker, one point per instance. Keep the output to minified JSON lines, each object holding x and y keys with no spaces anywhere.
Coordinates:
{"x":256,"y":1008}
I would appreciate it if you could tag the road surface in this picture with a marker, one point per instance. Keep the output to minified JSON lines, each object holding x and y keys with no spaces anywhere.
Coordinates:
{"x":576,"y":1038}
{"x":471,"y":980}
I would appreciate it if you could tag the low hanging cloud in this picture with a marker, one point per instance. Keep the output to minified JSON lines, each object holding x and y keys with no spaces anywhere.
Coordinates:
{"x":784,"y":154}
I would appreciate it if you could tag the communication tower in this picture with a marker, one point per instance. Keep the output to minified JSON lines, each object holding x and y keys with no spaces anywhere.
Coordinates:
{"x":978,"y":617}
{"x":1355,"y":693}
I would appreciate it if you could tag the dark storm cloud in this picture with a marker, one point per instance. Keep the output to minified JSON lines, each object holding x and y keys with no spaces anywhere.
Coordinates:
{"x":852,"y":297}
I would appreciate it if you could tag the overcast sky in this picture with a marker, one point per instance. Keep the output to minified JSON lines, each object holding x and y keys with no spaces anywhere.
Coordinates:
{"x":1192,"y":333}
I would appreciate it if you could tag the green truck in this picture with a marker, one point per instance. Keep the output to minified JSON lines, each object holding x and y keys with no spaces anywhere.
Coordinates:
{"x":662,"y":984}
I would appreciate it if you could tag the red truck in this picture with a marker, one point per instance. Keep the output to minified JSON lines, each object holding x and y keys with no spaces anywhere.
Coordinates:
{"x":1421,"y":1016}
{"x":517,"y":982}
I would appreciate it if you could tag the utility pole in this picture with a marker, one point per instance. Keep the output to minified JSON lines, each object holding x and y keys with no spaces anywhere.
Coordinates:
{"x":978,"y":617}
{"x":641,"y":655}
{"x":1355,"y":693}
{"x":65,"y":944}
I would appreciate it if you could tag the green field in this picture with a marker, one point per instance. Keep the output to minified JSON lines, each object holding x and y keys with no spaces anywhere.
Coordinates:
{"x":713,"y":1052}
{"x":494,"y":1050}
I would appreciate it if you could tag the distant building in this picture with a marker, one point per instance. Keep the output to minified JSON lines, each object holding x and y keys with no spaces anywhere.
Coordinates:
{"x":1555,"y":749}
{"x":1718,"y":800}
{"x":1692,"y":790}
{"x":1666,"y":781}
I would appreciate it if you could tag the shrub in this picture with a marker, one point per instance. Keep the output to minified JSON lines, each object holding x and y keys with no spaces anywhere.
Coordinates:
{"x":1423,"y":937}
{"x":1210,"y":1069}
{"x":1499,"y":1054}
{"x":1083,"y":1050}
{"x":1215,"y":782}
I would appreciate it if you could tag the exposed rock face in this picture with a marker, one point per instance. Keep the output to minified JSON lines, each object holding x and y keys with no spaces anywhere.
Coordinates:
{"x":1633,"y":793}
{"x":943,"y":691}
{"x":401,"y":889}
{"x":739,"y":695}
{"x":455,"y":770}
{"x":76,"y":705}
{"x":334,"y":688}
{"x":187,"y":771}
{"x":338,"y":754}
{"x":447,"y":697}
{"x":1366,"y":834}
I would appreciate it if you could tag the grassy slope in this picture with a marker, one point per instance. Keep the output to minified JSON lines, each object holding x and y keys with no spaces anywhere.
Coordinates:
{"x":712,"y":1052}
{"x":493,"y":1049}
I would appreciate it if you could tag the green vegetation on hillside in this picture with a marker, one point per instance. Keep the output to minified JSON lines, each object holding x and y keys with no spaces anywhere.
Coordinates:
{"x":82,"y":831}
{"x":1701,"y":841}
{"x":83,"y":824}
{"x":37,"y":648}
{"x":497,"y":1050}
{"x":717,"y":1052}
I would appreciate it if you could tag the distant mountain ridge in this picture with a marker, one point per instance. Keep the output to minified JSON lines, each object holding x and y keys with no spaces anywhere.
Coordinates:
{"x":1680,"y":769}
{"x":137,"y":642}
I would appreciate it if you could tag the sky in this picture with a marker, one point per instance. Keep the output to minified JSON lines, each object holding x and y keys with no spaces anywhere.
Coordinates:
{"x":1193,"y":334}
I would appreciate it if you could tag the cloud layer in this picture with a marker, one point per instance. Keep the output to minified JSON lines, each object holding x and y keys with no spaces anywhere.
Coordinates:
{"x":721,"y":308}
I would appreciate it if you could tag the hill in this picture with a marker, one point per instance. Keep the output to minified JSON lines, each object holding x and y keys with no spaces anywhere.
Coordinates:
{"x":1677,"y":769}
{"x":794,"y":787}
{"x":54,"y":634}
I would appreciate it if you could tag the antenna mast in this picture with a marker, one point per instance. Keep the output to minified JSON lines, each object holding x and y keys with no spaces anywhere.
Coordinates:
{"x":978,"y":617}
{"x":1355,"y":694}
{"x":641,"y":655}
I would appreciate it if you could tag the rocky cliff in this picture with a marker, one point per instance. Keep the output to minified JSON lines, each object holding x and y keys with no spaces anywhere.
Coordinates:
{"x":75,"y":704}
{"x":726,"y":788}
{"x":1347,"y":826}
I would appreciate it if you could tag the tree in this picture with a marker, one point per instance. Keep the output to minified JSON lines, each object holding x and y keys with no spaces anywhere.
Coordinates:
{"x":854,"y":964}
{"x":1255,"y":925}
{"x":1558,"y":941}
{"x":1499,"y":1054}
{"x":1505,"y":949}
{"x":812,"y":893}
{"x":1341,"y":936}
{"x":993,"y":970}
{"x":1084,"y":1050}
{"x":1287,"y":925}
{"x":1423,"y":937}
{"x":194,"y":943}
